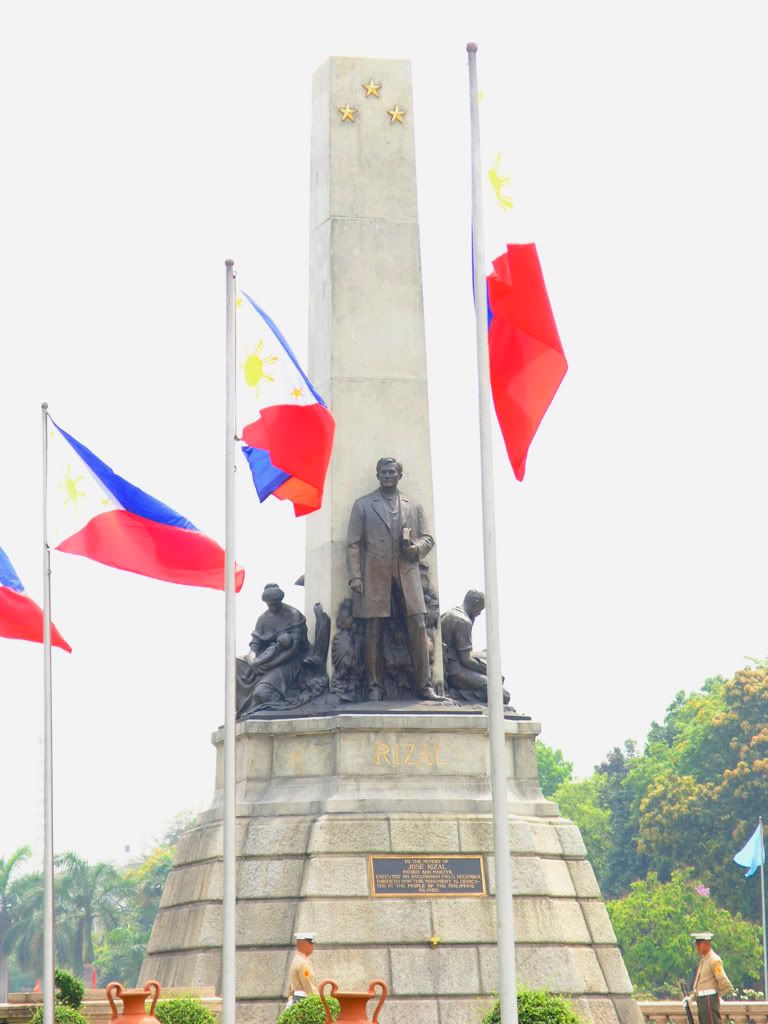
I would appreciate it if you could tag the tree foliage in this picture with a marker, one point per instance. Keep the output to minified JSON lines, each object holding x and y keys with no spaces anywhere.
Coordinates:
{"x":655,"y":819}
{"x":89,"y":895}
{"x":104,"y":915}
{"x":554,"y":770}
{"x":147,"y":880}
{"x":653,"y":925}
{"x":120,"y":954}
{"x":704,"y":801}
{"x":620,"y":794}
{"x":691,"y":798}
{"x":9,"y":911}
{"x":582,"y":802}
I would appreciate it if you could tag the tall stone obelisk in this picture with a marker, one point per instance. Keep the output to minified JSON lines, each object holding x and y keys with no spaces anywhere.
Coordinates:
{"x":374,"y":829}
{"x":366,"y":317}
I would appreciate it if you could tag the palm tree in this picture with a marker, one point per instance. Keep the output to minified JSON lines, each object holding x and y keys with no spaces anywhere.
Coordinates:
{"x":7,"y":916}
{"x":89,"y":896}
{"x":25,"y":935}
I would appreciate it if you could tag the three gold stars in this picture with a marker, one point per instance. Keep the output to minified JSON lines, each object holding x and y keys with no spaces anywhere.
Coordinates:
{"x":372,"y":88}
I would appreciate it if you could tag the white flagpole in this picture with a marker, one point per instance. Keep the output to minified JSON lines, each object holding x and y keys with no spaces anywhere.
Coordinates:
{"x":762,"y":904}
{"x":49,"y":993}
{"x":505,"y":921}
{"x":229,"y":935}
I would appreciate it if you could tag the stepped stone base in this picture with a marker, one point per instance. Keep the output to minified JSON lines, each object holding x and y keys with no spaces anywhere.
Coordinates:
{"x":316,"y":797}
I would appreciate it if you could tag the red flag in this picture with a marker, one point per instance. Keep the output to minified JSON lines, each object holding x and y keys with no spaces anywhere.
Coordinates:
{"x":526,"y":356}
{"x":20,"y":617}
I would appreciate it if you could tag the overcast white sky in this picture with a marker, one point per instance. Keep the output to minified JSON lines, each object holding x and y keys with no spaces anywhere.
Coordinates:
{"x":145,"y":143}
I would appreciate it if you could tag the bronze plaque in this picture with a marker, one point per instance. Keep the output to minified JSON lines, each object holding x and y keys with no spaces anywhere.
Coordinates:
{"x":452,"y":874}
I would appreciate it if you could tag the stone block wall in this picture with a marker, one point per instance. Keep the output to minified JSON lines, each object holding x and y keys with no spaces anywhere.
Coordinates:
{"x":437,"y":954}
{"x":312,"y":873}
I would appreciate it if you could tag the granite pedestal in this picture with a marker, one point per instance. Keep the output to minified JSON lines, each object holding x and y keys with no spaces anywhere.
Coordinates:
{"x":317,"y":797}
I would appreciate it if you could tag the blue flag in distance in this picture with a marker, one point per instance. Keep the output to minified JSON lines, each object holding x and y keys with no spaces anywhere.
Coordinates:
{"x":752,"y":855}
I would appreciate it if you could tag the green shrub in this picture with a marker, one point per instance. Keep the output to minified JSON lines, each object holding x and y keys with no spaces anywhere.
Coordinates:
{"x":69,"y":988}
{"x":535,"y":1006}
{"x":309,"y":1011}
{"x":64,"y":1015}
{"x":183,"y":1011}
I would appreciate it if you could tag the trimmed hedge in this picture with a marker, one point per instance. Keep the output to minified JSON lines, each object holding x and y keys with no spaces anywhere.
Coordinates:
{"x":309,"y":1011}
{"x":64,"y":1015}
{"x":183,"y":1010}
{"x":535,"y":1006}
{"x":71,"y":990}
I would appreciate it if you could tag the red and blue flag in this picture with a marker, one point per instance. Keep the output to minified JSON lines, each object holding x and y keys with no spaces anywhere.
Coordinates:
{"x":102,"y":516}
{"x":288,"y":447}
{"x":20,"y":617}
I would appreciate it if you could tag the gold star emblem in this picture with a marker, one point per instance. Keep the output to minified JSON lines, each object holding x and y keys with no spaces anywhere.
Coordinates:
{"x":347,"y":113}
{"x":372,"y":89}
{"x":397,"y":115}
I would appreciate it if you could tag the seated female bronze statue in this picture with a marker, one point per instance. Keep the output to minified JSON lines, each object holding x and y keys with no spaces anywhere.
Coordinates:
{"x":281,"y":669}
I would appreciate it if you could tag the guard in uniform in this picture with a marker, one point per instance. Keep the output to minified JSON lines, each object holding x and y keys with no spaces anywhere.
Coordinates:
{"x":301,"y":977}
{"x":711,"y":982}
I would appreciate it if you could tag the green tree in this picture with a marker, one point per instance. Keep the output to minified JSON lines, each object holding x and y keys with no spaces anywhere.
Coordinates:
{"x":26,"y":933}
{"x":581,"y":802}
{"x":707,"y":784}
{"x":8,"y":912}
{"x":176,"y":827}
{"x":147,"y":880}
{"x":27,"y":930}
{"x":554,"y":770}
{"x":653,"y":924}
{"x":120,"y":954}
{"x":620,"y":794}
{"x":90,"y":896}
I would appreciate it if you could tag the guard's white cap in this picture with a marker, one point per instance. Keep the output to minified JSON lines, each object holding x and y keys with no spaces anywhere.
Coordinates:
{"x":305,"y":936}
{"x":702,"y":936}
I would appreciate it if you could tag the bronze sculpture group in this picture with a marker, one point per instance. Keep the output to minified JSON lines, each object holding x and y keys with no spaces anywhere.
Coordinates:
{"x":386,"y":630}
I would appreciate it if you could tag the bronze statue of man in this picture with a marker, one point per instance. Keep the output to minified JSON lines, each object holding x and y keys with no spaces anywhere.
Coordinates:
{"x":466,"y":671}
{"x":388,"y":534}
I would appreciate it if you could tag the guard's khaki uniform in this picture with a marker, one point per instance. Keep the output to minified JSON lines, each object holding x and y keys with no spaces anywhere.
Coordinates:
{"x":301,"y":977}
{"x":711,"y":982}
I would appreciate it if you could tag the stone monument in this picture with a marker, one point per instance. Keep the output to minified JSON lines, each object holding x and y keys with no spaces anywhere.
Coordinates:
{"x":363,"y":794}
{"x":366,"y":318}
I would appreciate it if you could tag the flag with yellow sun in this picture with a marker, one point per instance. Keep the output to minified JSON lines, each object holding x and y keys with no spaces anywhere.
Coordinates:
{"x":288,"y":432}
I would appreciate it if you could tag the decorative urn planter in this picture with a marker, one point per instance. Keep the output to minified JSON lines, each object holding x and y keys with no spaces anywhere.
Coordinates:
{"x":134,"y":1002}
{"x":353,"y":1003}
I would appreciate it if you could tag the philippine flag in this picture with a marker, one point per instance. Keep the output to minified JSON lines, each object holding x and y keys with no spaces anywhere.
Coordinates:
{"x":527,"y":361}
{"x":100,"y":515}
{"x":289,"y":446}
{"x":20,"y":617}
